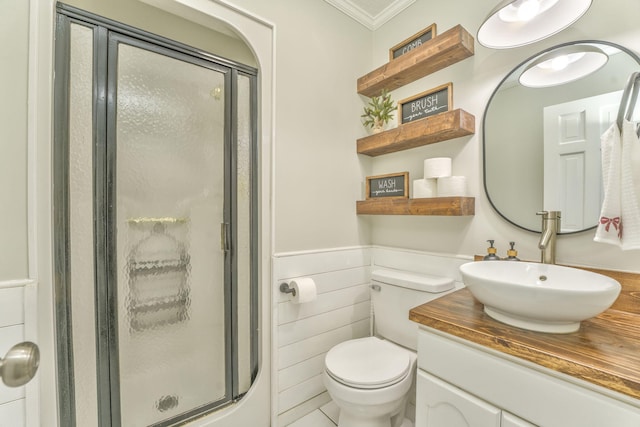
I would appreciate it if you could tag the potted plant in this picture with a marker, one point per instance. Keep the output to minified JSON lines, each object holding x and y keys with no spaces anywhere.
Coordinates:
{"x":379,"y":111}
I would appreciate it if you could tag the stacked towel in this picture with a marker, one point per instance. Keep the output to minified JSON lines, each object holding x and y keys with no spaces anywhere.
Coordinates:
{"x":620,"y":215}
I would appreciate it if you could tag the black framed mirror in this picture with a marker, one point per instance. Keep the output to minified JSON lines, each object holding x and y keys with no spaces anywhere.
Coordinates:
{"x":521,"y":175}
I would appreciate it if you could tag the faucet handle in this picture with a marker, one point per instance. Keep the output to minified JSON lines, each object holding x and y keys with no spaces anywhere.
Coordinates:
{"x":549,"y":214}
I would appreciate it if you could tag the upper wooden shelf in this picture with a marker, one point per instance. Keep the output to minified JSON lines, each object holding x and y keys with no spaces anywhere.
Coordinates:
{"x":443,"y":206}
{"x":441,"y":127}
{"x":443,"y":50}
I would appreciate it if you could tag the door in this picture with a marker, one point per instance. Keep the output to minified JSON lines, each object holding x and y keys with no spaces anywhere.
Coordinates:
{"x":154,"y":211}
{"x":19,"y":362}
{"x":572,"y":169}
{"x":19,"y":278}
{"x":443,"y":405}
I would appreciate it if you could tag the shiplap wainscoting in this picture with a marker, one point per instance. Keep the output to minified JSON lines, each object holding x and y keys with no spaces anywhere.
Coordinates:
{"x":305,"y":332}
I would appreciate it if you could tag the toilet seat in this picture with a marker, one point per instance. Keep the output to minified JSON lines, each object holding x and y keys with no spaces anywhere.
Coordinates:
{"x":368,"y":363}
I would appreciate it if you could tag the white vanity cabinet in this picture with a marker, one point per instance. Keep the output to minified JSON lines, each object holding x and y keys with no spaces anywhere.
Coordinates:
{"x":462,"y":384}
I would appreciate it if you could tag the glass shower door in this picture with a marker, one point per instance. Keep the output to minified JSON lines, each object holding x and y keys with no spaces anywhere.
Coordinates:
{"x":168,"y":209}
{"x":156,"y":206}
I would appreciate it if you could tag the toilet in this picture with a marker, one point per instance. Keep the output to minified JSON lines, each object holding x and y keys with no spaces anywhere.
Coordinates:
{"x":371,"y":379}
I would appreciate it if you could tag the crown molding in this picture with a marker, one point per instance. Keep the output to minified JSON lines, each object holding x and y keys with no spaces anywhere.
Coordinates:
{"x":351,"y":9}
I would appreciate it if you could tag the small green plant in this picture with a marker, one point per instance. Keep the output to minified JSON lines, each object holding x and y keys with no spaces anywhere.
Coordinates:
{"x":379,"y":111}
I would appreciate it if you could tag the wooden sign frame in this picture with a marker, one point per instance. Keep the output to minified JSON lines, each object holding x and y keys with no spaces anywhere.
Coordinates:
{"x":426,"y":107}
{"x":377,"y":187}
{"x":413,"y":42}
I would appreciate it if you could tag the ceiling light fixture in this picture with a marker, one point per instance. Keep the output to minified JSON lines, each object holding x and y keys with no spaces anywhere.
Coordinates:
{"x":514,"y":23}
{"x":563,"y":65}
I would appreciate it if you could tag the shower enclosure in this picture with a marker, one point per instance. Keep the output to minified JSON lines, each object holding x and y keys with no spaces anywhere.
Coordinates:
{"x":155,"y":226}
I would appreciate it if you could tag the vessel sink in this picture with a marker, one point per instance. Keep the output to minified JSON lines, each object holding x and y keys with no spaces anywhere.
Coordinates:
{"x":539,"y":297}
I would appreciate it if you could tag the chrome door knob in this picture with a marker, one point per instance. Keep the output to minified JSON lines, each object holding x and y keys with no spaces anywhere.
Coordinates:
{"x":20,"y":364}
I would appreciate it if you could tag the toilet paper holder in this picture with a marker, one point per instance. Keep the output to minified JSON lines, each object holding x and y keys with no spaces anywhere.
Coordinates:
{"x":286,"y":289}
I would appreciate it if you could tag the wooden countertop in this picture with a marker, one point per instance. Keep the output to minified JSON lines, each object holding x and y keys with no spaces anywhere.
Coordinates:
{"x":605,"y":350}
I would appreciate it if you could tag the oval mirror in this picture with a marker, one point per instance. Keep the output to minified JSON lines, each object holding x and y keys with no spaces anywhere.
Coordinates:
{"x":541,"y":146}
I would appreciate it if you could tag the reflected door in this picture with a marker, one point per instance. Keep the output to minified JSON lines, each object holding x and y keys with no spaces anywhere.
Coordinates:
{"x":572,"y":171}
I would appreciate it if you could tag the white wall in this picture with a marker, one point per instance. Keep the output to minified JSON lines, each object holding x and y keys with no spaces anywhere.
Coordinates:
{"x":13,"y":136}
{"x":474,"y":79}
{"x":320,"y":53}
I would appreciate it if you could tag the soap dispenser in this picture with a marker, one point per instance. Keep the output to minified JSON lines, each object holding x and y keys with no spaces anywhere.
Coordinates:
{"x":491,"y":252}
{"x":512,"y":253}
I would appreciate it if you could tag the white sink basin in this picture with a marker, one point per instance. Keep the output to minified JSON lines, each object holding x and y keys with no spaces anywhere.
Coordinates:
{"x":539,"y":297}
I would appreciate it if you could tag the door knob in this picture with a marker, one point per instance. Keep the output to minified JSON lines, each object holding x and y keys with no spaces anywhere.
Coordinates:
{"x":20,"y":364}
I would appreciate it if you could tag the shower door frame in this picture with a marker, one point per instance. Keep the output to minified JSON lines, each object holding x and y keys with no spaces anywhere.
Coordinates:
{"x":107,"y":34}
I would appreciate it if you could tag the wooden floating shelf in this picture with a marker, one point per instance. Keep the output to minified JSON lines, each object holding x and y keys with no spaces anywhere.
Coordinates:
{"x":441,"y":127}
{"x":443,"y":206}
{"x":450,"y":47}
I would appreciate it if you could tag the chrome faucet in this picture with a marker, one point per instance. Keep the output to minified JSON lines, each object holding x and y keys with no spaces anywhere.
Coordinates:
{"x":550,"y":228}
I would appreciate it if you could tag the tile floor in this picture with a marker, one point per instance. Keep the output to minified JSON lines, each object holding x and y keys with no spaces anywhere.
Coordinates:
{"x":326,"y":416}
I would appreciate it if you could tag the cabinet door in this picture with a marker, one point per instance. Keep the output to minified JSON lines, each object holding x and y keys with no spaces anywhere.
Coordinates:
{"x":439,"y":404}
{"x":509,"y":420}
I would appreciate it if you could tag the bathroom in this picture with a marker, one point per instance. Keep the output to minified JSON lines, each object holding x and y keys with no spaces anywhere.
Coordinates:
{"x":310,"y":56}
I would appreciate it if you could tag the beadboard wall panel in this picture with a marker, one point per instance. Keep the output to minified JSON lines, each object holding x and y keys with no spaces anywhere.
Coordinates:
{"x":304,"y":333}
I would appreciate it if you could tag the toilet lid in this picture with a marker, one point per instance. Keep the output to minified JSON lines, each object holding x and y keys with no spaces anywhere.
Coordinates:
{"x":368,"y":363}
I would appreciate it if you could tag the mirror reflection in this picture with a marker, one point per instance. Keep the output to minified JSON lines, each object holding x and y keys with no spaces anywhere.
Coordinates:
{"x":542,"y":145}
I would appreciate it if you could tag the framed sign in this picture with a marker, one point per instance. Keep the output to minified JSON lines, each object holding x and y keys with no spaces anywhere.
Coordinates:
{"x":412,"y":42}
{"x":390,"y":185}
{"x":425,"y":104}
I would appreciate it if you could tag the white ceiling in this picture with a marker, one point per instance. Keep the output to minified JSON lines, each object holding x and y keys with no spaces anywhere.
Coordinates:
{"x":371,"y":13}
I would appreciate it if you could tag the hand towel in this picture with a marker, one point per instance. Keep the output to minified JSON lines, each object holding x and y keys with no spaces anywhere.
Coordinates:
{"x":609,"y":229}
{"x":630,"y":186}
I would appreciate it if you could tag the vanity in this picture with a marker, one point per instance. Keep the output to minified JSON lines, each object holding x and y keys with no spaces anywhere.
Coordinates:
{"x":476,"y":371}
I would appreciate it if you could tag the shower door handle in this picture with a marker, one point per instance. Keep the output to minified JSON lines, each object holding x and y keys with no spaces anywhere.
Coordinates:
{"x":20,"y":364}
{"x":225,"y":245}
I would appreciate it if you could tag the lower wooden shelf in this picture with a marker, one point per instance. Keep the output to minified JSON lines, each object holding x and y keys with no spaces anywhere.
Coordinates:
{"x":443,"y":206}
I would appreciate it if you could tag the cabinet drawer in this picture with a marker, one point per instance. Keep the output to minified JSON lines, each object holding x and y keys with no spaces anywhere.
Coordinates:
{"x":11,"y":306}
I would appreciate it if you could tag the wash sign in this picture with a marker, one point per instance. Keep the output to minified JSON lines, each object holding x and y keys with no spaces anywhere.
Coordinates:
{"x":391,"y":185}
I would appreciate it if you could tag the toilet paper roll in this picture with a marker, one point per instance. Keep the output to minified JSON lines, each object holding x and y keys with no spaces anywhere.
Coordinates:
{"x":452,"y":186}
{"x":305,"y":289}
{"x":423,"y":188}
{"x":437,"y":167}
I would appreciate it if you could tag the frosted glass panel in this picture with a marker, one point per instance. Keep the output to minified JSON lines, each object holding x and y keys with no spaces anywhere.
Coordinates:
{"x":81,"y":244}
{"x":170,"y":204}
{"x":244,"y":176}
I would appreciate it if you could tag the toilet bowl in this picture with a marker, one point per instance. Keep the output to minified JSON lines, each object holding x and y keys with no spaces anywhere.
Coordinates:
{"x":369,"y":380}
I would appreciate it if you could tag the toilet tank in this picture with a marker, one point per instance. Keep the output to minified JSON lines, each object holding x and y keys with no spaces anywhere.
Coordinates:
{"x":394,"y":293}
